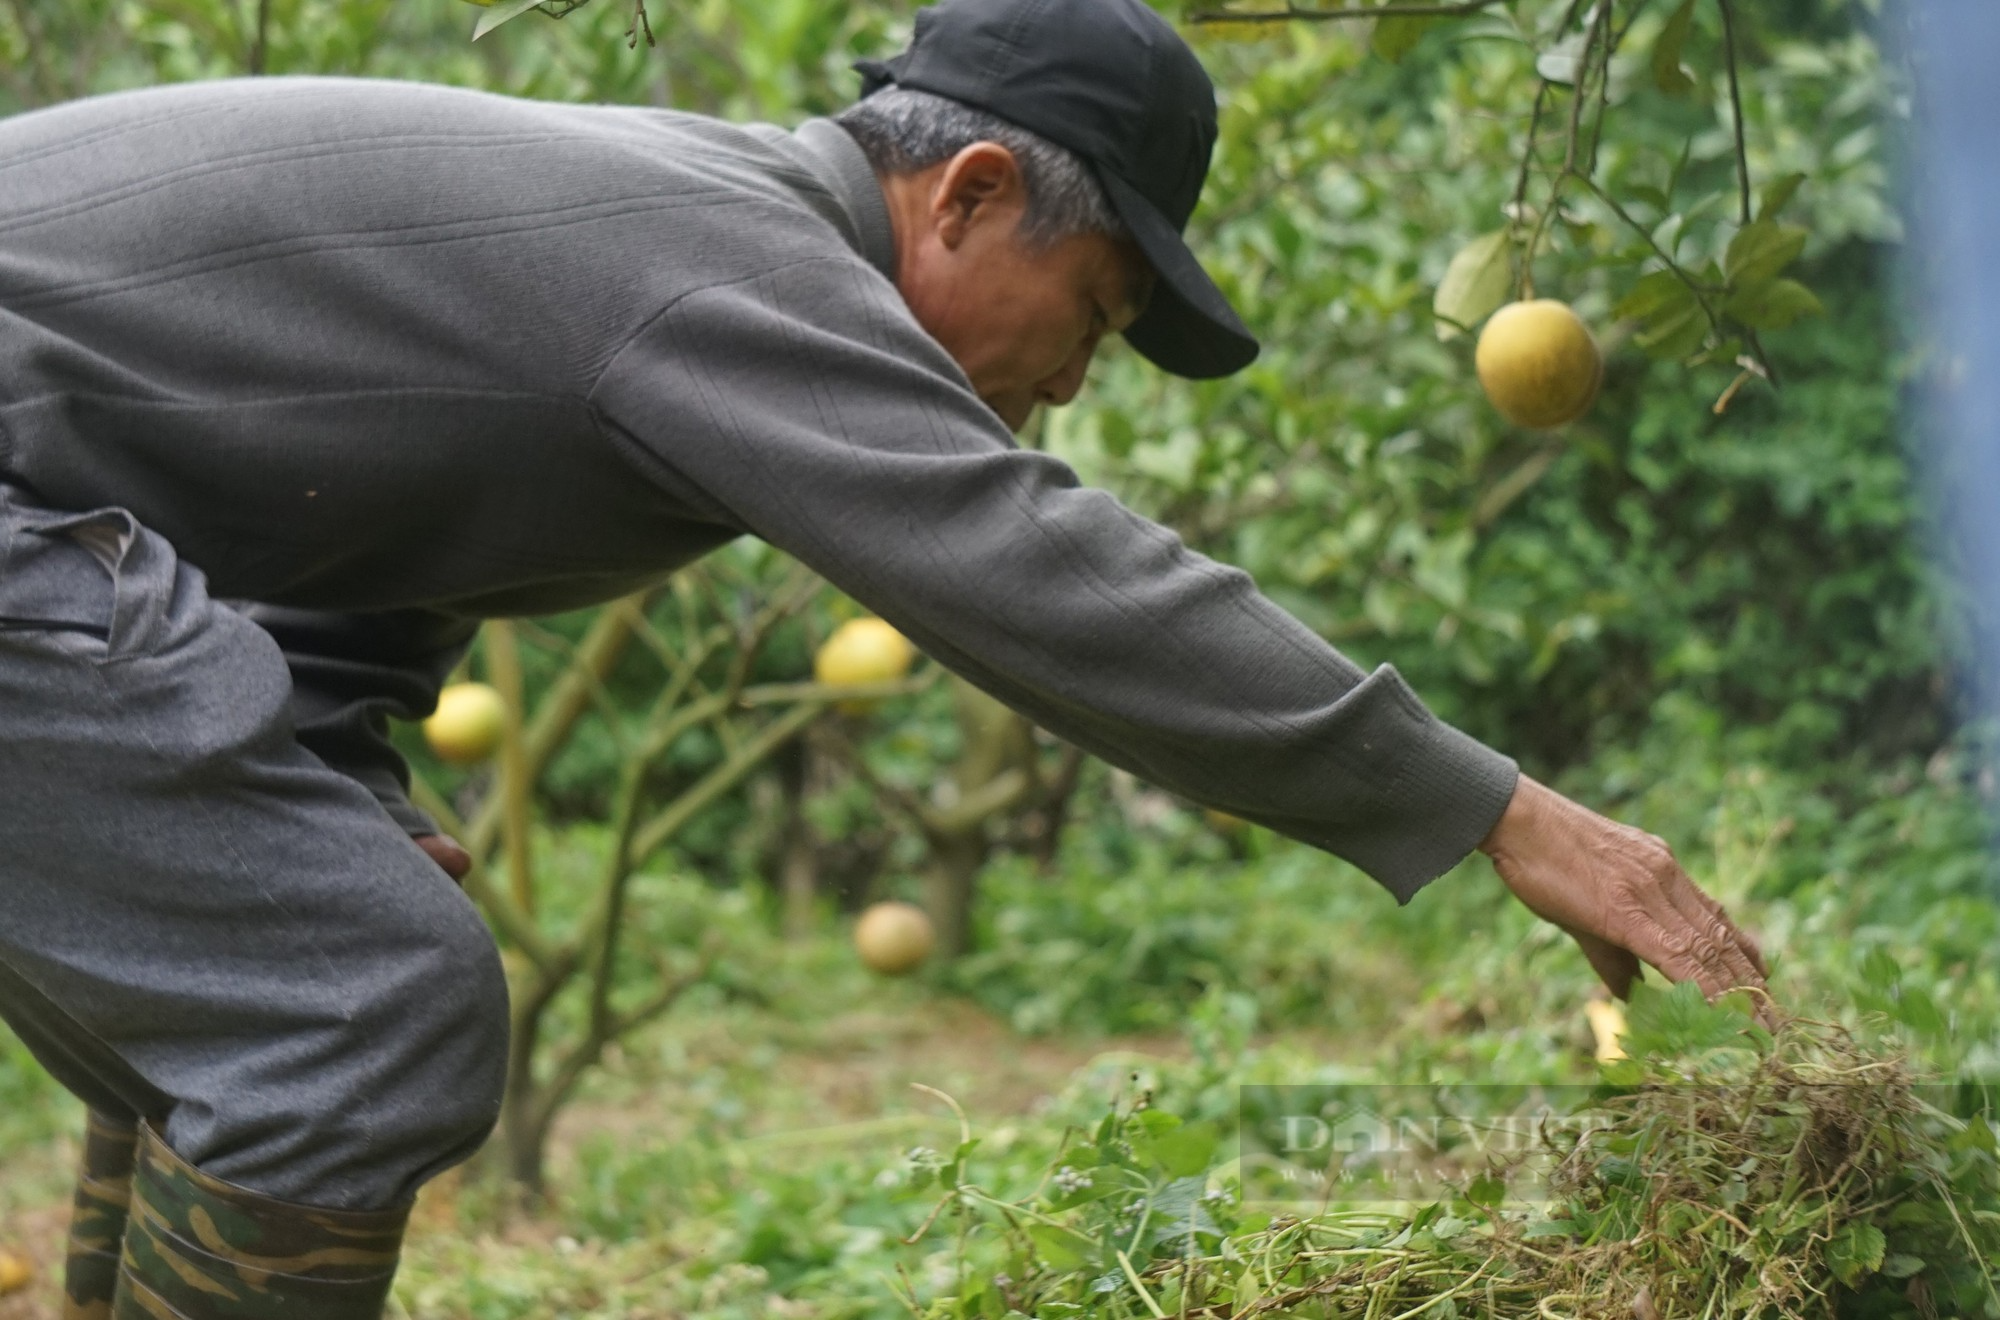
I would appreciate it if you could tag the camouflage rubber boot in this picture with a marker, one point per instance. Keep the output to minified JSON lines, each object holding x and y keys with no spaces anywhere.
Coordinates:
{"x":198,"y":1248}
{"x":97,"y":1223}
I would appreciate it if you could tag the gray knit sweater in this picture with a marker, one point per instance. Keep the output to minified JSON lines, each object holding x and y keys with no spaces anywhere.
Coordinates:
{"x":385,"y":359}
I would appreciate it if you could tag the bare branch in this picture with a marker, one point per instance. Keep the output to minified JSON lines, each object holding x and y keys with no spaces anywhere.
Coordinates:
{"x":1736,"y":109}
{"x":557,"y":715}
{"x":618,"y":866}
{"x":896,"y":796}
{"x":639,"y":24}
{"x":1768,"y":371}
{"x":723,"y":778}
{"x":999,"y":794}
{"x":503,"y":666}
{"x":259,"y":41}
{"x":1580,"y":93}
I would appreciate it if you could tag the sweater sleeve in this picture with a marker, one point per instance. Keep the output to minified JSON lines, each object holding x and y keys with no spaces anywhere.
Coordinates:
{"x":351,"y":673}
{"x":810,"y":409}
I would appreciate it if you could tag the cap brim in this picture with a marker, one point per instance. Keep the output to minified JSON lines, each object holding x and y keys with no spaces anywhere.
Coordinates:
{"x":1188,"y":328}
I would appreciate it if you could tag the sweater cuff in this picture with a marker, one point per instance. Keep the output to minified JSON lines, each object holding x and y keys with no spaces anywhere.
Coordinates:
{"x":1442,"y":796}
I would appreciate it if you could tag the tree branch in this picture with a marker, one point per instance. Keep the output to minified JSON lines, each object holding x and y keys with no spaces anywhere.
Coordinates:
{"x":560,"y":709}
{"x":723,"y":778}
{"x":503,"y":666}
{"x":258,"y":42}
{"x":894,"y":795}
{"x":1647,"y":234}
{"x":1736,"y":109}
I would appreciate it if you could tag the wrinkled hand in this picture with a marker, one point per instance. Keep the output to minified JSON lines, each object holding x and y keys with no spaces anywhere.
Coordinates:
{"x":444,"y":850}
{"x":1620,"y":893}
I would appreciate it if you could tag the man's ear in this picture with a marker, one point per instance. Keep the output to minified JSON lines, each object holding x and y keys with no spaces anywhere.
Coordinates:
{"x":980,"y":185}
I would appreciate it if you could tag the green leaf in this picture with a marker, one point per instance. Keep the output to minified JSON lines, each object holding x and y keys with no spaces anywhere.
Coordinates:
{"x":1179,"y":1213}
{"x":1856,"y":1252}
{"x":1772,"y":304}
{"x":1559,"y":63}
{"x":1916,"y":1010}
{"x":1901,"y":1266}
{"x":1059,"y":1250}
{"x":1651,"y":196}
{"x":1761,"y":249}
{"x":1118,"y":433}
{"x":1393,"y":37}
{"x":1674,"y":337}
{"x":1486,"y":1190}
{"x":1474,"y":284}
{"x":1180,"y":1151}
{"x":1722,"y":351}
{"x":1677,"y":1020}
{"x":1622,"y":1073}
{"x":1656,"y":297}
{"x":1668,"y":74}
{"x":1776,"y":193}
{"x":1881,"y":970}
{"x":502,"y":12}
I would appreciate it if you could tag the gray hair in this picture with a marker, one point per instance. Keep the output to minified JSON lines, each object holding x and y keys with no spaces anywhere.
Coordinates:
{"x":903,"y":131}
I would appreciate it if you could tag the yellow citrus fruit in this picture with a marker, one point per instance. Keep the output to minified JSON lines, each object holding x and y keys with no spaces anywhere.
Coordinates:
{"x":863,"y":651}
{"x":14,"y":1273}
{"x":467,"y":726}
{"x":1607,"y":1024}
{"x":893,"y":937}
{"x":1538,"y":363}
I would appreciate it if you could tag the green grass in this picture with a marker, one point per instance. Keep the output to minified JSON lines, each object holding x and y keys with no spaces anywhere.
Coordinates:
{"x":750,"y":1155}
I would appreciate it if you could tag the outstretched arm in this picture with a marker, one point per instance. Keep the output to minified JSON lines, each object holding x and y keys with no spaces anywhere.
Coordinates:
{"x":807,"y":407}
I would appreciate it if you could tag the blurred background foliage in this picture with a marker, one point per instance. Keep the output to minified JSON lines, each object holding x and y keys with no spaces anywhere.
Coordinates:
{"x":1718,"y":622}
{"x":1664,"y":580}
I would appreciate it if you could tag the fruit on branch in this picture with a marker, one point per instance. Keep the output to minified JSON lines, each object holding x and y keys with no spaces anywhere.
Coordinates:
{"x":1538,"y":363}
{"x":893,"y":937}
{"x":467,"y":725}
{"x":863,"y":651}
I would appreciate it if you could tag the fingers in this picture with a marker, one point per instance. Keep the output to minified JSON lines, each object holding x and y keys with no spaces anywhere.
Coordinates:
{"x":1721,"y":945}
{"x":445,"y":851}
{"x":1617,"y":968}
{"x":1620,"y":892}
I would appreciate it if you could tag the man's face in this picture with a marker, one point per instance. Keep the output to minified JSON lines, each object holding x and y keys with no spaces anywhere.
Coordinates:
{"x":1022,"y":320}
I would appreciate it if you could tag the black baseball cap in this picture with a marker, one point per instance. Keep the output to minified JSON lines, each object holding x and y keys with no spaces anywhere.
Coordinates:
{"x":1113,"y":82}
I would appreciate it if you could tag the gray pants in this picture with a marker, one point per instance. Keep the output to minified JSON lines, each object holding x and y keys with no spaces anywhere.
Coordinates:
{"x":202,"y":924}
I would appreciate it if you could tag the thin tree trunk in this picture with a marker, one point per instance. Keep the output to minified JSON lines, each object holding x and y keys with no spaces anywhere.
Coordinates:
{"x":798,"y":847}
{"x":951,"y":885}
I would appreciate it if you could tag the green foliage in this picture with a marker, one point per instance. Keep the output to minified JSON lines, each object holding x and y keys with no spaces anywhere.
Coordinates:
{"x":1546,"y":592}
{"x":1724,"y":1170}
